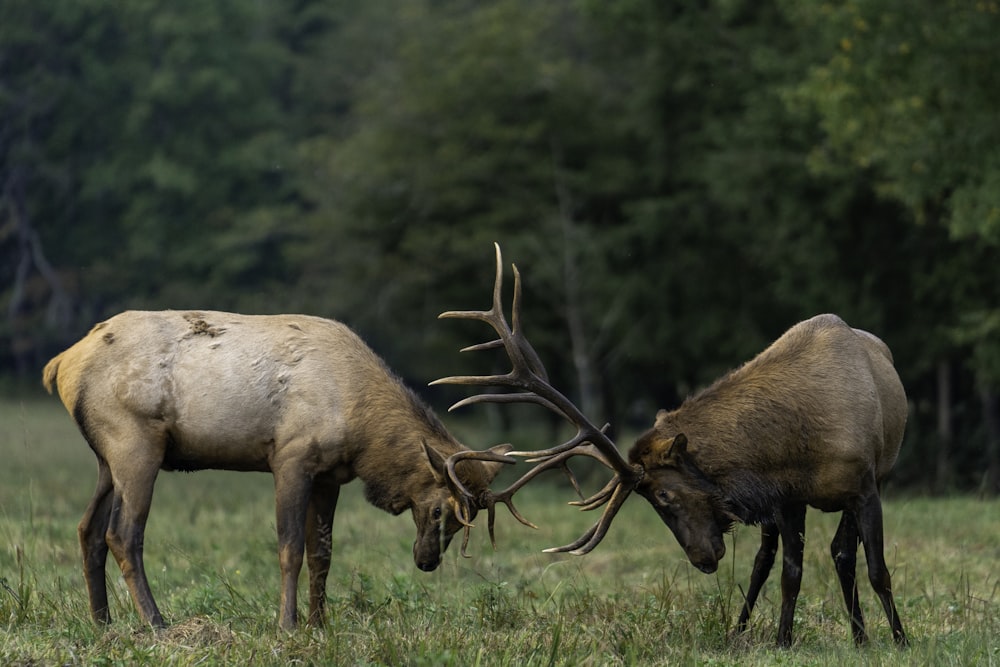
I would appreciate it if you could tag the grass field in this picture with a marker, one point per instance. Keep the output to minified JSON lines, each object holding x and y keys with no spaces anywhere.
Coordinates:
{"x":211,"y":558}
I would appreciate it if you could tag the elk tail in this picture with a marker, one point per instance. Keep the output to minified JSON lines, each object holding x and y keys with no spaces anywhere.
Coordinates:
{"x":50,"y":372}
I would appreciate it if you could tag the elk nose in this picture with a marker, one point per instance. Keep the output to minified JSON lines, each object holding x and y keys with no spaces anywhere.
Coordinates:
{"x":708,"y":567}
{"x":706,"y":559}
{"x":428,"y":565}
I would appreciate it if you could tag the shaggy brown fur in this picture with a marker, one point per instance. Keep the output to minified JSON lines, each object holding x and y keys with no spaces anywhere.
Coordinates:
{"x":815,"y":419}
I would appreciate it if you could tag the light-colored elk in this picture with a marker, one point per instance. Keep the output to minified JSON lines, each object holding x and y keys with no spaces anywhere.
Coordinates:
{"x":300,"y":397}
{"x":816,"y":419}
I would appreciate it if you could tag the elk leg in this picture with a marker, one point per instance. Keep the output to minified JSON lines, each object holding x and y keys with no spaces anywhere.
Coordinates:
{"x":870,"y":524}
{"x":126,"y":529}
{"x":91,"y":532}
{"x":844,"y":550}
{"x":319,"y":547}
{"x":792,"y":524}
{"x":762,"y":564}
{"x":292,"y":489}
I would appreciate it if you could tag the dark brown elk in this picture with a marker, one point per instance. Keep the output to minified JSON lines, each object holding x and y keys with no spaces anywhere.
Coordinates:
{"x":816,"y":419}
{"x":300,"y":397}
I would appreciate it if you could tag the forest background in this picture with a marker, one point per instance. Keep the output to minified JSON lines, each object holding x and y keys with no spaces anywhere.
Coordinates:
{"x":679,"y":182}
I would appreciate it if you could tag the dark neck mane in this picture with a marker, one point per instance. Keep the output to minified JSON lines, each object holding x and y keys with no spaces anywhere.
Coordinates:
{"x":390,"y":460}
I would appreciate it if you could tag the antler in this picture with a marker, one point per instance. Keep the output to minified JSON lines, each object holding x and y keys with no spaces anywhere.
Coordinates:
{"x":528,"y":375}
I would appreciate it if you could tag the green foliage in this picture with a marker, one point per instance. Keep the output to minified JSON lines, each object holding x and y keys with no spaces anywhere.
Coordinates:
{"x":907,"y":94}
{"x":910,"y":90}
{"x":678,"y":182}
{"x":164,"y":150}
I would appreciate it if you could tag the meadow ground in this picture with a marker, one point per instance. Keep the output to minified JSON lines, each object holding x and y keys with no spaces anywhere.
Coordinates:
{"x":210,"y":555}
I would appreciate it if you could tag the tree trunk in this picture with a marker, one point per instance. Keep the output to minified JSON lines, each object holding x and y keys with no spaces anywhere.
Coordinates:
{"x":30,"y":257}
{"x":991,"y":420}
{"x":583,"y":362}
{"x":581,"y":348}
{"x":942,"y":474}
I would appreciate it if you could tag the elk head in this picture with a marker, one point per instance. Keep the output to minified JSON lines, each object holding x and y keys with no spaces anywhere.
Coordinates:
{"x":687,"y":502}
{"x":529,"y":380}
{"x":441,"y":510}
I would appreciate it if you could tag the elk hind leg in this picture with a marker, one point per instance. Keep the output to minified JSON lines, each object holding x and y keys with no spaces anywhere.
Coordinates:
{"x":792,"y":525}
{"x":762,"y":564}
{"x":132,"y":496}
{"x":319,"y":545}
{"x":870,"y":524}
{"x":844,"y":550}
{"x":94,"y":546}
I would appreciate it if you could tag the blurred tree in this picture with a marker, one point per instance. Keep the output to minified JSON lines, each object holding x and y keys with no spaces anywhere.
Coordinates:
{"x":680,"y":181}
{"x":726,"y":230}
{"x":148,"y":142}
{"x":485,"y":122}
{"x":909,"y":95}
{"x":46,"y":113}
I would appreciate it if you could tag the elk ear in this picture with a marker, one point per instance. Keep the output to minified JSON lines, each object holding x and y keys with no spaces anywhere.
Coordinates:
{"x":679,"y":447}
{"x":493,"y":468}
{"x":436,"y":462}
{"x":668,"y":453}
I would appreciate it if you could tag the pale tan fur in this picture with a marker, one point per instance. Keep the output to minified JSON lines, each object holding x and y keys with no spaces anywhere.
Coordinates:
{"x":298,"y":396}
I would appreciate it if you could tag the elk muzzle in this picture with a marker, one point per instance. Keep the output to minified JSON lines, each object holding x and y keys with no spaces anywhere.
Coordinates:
{"x":427,"y":553}
{"x":432,"y":541}
{"x":427,"y":563}
{"x":704,"y":551}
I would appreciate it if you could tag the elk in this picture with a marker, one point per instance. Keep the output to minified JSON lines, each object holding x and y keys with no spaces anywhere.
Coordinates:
{"x":816,"y":419}
{"x":300,"y":397}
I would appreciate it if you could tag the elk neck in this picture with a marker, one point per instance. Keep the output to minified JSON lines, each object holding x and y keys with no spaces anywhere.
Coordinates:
{"x":733,"y":451}
{"x":389,"y":426}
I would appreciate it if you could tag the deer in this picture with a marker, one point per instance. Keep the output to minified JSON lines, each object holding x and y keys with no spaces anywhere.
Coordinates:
{"x":816,"y":419}
{"x":300,"y":397}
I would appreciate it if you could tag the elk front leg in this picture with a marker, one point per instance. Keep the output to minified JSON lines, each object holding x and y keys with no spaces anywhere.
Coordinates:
{"x":93,"y":543}
{"x":762,"y":564}
{"x":292,"y":488}
{"x":870,"y":525}
{"x":844,"y":550}
{"x":319,"y":546}
{"x":792,"y":524}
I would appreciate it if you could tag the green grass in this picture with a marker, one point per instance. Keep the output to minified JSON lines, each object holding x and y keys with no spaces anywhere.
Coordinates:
{"x":211,"y":558}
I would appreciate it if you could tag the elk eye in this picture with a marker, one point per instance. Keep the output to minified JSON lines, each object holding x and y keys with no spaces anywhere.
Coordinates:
{"x":437,"y":513}
{"x":663,"y":497}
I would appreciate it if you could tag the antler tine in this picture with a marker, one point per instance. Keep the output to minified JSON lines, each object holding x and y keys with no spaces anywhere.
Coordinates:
{"x":465,"y":496}
{"x":599,"y":498}
{"x":524,"y":397}
{"x":528,"y":372}
{"x":578,"y":442}
{"x":486,"y":499}
{"x":490,"y":454}
{"x":527,"y":365}
{"x":533,"y":362}
{"x":549,"y":459}
{"x":555,"y":457}
{"x":529,"y":379}
{"x":586,"y":543}
{"x":545,"y":460}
